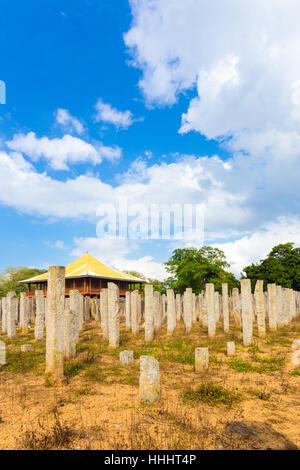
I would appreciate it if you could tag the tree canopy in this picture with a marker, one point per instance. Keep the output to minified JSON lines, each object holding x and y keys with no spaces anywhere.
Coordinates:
{"x":192,"y":267}
{"x":9,"y":281}
{"x":281,"y":266}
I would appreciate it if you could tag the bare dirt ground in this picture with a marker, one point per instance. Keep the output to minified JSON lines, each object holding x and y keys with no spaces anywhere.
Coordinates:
{"x":251,"y":401}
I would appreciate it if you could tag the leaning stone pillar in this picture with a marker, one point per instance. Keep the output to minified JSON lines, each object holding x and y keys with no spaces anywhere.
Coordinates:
{"x":272,"y":306}
{"x":55,"y":322}
{"x":104,"y":312}
{"x":171,"y":315}
{"x":210,"y":301}
{"x":149,"y":386}
{"x":225,"y":307}
{"x":127,"y":311}
{"x":113,"y":315}
{"x":188,"y":309}
{"x":11,"y":314}
{"x":40,"y":315}
{"x":260,"y":308}
{"x":247,"y":311}
{"x":149,"y":314}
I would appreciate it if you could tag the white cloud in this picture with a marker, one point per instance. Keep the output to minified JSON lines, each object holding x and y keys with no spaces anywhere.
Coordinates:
{"x":61,"y":151}
{"x":120,"y":119}
{"x":66,"y":120}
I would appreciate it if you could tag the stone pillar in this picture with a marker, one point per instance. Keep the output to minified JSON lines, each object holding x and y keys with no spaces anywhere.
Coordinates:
{"x":201,"y":359}
{"x":171,"y":315}
{"x":104,"y":312}
{"x":217,"y":306}
{"x":149,"y":314}
{"x":126,"y":358}
{"x":292,"y":305}
{"x":188,"y":309}
{"x":278,"y":306}
{"x":4,"y":315}
{"x":24,"y":313}
{"x":194,"y":319}
{"x":11,"y":314}
{"x":134,"y":312}
{"x":236,"y":307}
{"x":127,"y":311}
{"x":69,"y":330}
{"x":74,"y":308}
{"x":272,"y":306}
{"x":87,"y":308}
{"x":149,"y":387}
{"x":178,"y":304}
{"x":40,"y":315}
{"x":55,"y":322}
{"x":2,"y":353}
{"x":260,"y":308}
{"x":210,"y":299}
{"x":284,"y":321}
{"x":163,"y":308}
{"x":113,"y":315}
{"x":247,"y":311}
{"x":80,"y":311}
{"x":230,"y":348}
{"x":225,"y":307}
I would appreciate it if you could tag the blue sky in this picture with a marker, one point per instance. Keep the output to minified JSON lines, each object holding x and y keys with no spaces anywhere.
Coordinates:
{"x":190,"y":110}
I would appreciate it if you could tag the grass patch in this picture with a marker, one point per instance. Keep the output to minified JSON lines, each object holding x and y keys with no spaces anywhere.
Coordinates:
{"x":212,"y":394}
{"x":296,"y":372}
{"x":265,"y":364}
{"x":259,"y":394}
{"x":20,"y":362}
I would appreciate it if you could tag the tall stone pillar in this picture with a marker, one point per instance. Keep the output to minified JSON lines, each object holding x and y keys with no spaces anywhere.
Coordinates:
{"x":272,"y":306}
{"x":279,"y":306}
{"x":4,"y":315}
{"x":163,"y":307}
{"x":236,"y":307}
{"x":260,"y":308}
{"x":188,"y":309}
{"x":292,"y":304}
{"x":87,"y":308}
{"x":217,"y":306}
{"x":178,"y":307}
{"x":69,"y":330}
{"x":11,"y":314}
{"x":134,"y":312}
{"x":157,"y":310}
{"x":210,"y":304}
{"x":113,"y":316}
{"x":2,"y":353}
{"x":55,"y":322}
{"x":225,"y":307}
{"x":74,"y":310}
{"x":23,"y":313}
{"x":247,"y":311}
{"x":171,"y":315}
{"x":127,"y":311}
{"x":80,"y":311}
{"x":104,"y":312}
{"x":149,"y":386}
{"x":149,"y":313}
{"x":40,"y":315}
{"x":194,"y":319}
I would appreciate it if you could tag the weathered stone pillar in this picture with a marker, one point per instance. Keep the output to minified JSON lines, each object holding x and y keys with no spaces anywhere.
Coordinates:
{"x":292,"y":304}
{"x":80,"y":311}
{"x":87,"y":308}
{"x":4,"y":315}
{"x":188,"y":309}
{"x":194,"y":319}
{"x":236,"y":307}
{"x":104,"y":312}
{"x":127,"y":311}
{"x":69,"y":330}
{"x":40,"y":315}
{"x":217,"y":306}
{"x":260,"y":308}
{"x":178,"y":304}
{"x":74,"y":308}
{"x":126,"y":358}
{"x":210,"y":301}
{"x":149,"y":387}
{"x":11,"y":314}
{"x":225,"y":307}
{"x":230,"y":348}
{"x":24,"y":320}
{"x":55,"y":322}
{"x":284,"y":321}
{"x":2,"y":353}
{"x":272,"y":306}
{"x":149,"y":314}
{"x":134,"y":312}
{"x":247,"y":311}
{"x":201,"y":359}
{"x":171,"y":315}
{"x":113,"y":315}
{"x":157,"y":310}
{"x":278,"y":306}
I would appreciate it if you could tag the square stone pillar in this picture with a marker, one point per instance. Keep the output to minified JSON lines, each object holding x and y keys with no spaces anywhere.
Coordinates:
{"x":113,"y":316}
{"x":149,"y":385}
{"x":135,"y":328}
{"x":149,"y":313}
{"x":272,"y":306}
{"x":188,"y":309}
{"x":104,"y":312}
{"x":127,"y":311}
{"x":171,"y":314}
{"x":247,"y":311}
{"x":236,"y":307}
{"x":210,"y":305}
{"x":11,"y":314}
{"x":260,"y":308}
{"x":225,"y":308}
{"x":40,"y":315}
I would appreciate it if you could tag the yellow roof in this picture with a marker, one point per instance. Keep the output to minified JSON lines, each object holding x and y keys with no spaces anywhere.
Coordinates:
{"x":87,"y":265}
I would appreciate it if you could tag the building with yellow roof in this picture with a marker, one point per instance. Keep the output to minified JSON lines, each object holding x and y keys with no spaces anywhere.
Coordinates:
{"x":88,"y":276}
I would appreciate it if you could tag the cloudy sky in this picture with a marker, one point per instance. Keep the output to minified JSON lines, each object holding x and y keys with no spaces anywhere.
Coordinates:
{"x":161,"y":101}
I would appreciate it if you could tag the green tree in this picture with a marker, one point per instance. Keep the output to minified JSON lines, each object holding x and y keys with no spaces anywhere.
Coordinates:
{"x":282,"y":267}
{"x":9,"y":281}
{"x":192,"y":267}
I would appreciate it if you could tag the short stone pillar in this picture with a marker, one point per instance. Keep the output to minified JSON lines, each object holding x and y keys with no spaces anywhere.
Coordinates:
{"x":272,"y":306}
{"x":296,"y":358}
{"x":134,"y":307}
{"x":149,"y":386}
{"x":113,"y":316}
{"x":171,"y":314}
{"x":188,"y":309}
{"x":40,"y":315}
{"x":2,"y":353}
{"x":230,"y":348}
{"x":210,"y":305}
{"x":4,"y":315}
{"x":296,"y":344}
{"x":149,"y":314}
{"x":55,"y":322}
{"x":225,"y":307}
{"x":127,"y":311}
{"x":236,"y":311}
{"x":11,"y":314}
{"x":247,"y":311}
{"x":26,"y":347}
{"x":260,"y":308}
{"x":24,"y":313}
{"x":126,"y":358}
{"x":201,"y":359}
{"x":104,"y":312}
